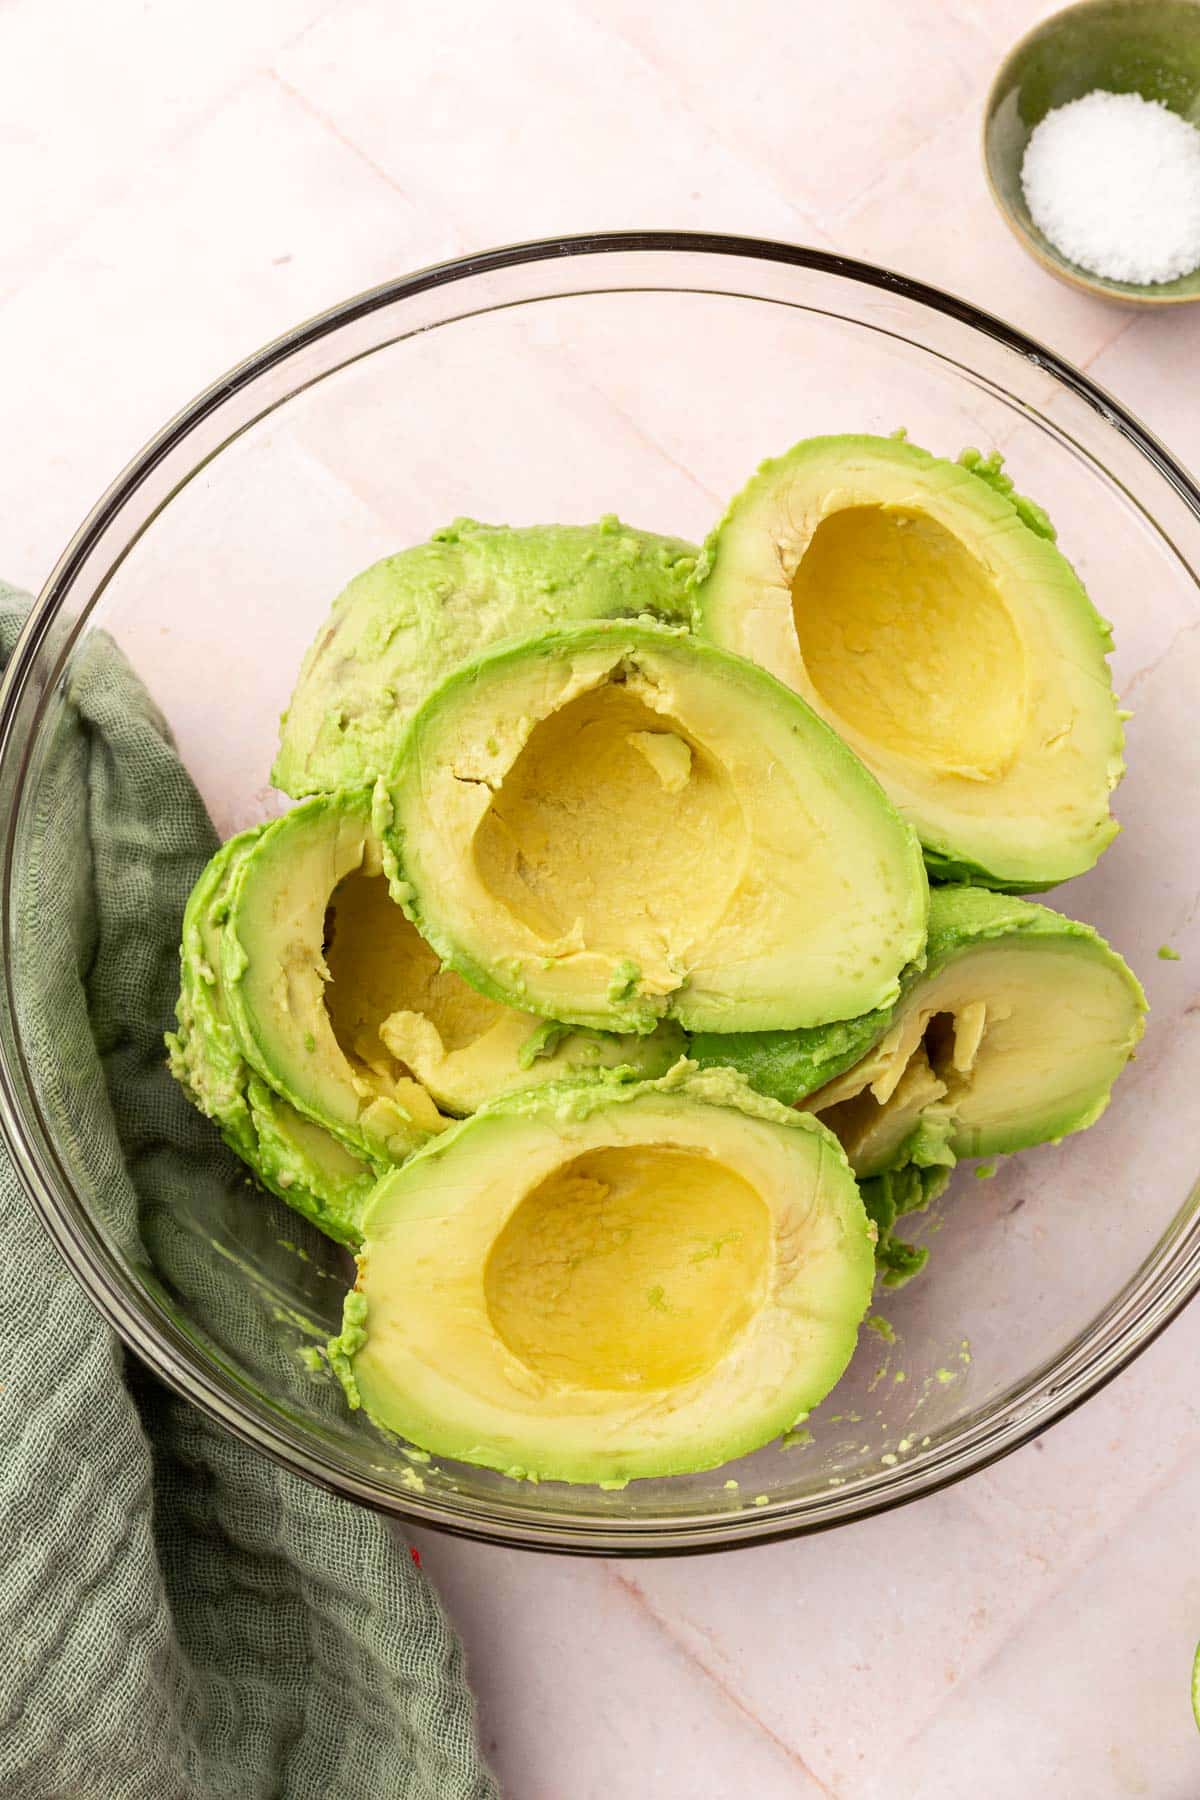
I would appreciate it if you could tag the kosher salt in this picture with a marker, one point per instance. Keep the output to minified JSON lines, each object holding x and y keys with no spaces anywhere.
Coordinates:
{"x":1113,"y":180}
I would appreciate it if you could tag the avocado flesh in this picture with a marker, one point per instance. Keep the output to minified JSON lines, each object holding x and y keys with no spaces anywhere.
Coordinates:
{"x":614,"y":823}
{"x":924,"y":611}
{"x":602,"y":1280}
{"x":1013,"y":1034}
{"x":347,"y":1012}
{"x":405,"y":623}
{"x":275,"y":974}
{"x":295,"y":1159}
{"x":203,"y":1052}
{"x":1013,"y":1037}
{"x":390,"y":999}
{"x":306,"y":1166}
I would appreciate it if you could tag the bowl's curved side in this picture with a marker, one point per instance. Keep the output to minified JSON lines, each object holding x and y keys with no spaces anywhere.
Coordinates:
{"x":788,"y":303}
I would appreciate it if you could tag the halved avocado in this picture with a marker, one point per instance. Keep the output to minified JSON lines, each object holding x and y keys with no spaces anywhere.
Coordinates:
{"x":308,"y":1167}
{"x":598,"y":1281}
{"x":1013,"y":1034}
{"x":203,"y":1053}
{"x":923,"y":609}
{"x":296,"y":1159}
{"x":615,"y":823}
{"x":402,"y":625}
{"x":347,"y":1011}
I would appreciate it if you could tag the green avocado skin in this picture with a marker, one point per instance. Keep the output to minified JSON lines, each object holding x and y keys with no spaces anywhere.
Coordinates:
{"x":315,"y":1178}
{"x":404,"y":624}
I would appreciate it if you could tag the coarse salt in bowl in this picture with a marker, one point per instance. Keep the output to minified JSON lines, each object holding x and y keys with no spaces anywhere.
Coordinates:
{"x":1110,"y":89}
{"x":1113,"y":181}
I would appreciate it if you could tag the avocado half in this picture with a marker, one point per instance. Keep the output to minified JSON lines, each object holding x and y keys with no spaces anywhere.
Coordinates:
{"x":595,"y":1282}
{"x":1011,"y":1035}
{"x":615,"y":823}
{"x":923,"y":609}
{"x":312,"y":1171}
{"x":347,"y":1012}
{"x":402,"y":625}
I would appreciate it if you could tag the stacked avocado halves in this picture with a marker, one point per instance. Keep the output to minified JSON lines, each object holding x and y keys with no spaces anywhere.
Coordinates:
{"x":594,"y":990}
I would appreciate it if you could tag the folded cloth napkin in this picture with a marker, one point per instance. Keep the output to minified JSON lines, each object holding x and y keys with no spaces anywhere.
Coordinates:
{"x":179,"y":1619}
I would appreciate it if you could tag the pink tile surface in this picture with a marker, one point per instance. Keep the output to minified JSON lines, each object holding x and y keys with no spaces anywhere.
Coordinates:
{"x":191,"y":184}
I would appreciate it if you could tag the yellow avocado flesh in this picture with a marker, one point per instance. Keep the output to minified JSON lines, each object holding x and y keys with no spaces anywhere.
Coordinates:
{"x":591,"y":1289}
{"x":629,"y":1267}
{"x":380,"y":965}
{"x":395,"y":1010}
{"x":1011,"y":1043}
{"x":949,"y":643}
{"x":276,"y":980}
{"x":616,"y":824}
{"x":573,"y":844}
{"x":906,"y":639}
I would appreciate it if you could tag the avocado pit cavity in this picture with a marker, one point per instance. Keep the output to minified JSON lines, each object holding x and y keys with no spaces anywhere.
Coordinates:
{"x":907,"y":640}
{"x":917,"y":1075}
{"x":394,"y":1010}
{"x":616,"y":832}
{"x":631,"y":1267}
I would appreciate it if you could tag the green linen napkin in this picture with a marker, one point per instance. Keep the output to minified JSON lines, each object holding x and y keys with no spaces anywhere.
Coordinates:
{"x":179,"y":1619}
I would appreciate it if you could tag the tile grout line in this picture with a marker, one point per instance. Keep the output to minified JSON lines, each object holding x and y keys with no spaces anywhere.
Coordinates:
{"x":641,"y":1600}
{"x":1012,"y":1638}
{"x":849,"y":209}
{"x":764,"y":172}
{"x":335,"y":131}
{"x":1085,"y":362}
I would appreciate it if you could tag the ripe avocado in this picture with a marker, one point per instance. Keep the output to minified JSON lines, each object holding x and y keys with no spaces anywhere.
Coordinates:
{"x":402,"y":625}
{"x":923,"y":609}
{"x":614,"y":823}
{"x":304,"y":1165}
{"x":345,"y":1011}
{"x":1011,"y":1035}
{"x":601,"y":1280}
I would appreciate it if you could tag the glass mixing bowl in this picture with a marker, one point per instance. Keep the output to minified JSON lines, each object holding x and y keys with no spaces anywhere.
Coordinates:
{"x":645,"y":374}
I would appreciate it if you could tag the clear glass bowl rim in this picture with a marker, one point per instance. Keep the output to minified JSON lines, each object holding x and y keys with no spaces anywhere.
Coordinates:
{"x":1142,"y":1309}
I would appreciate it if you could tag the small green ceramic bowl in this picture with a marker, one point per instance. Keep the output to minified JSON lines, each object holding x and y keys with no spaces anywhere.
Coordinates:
{"x":1147,"y":47}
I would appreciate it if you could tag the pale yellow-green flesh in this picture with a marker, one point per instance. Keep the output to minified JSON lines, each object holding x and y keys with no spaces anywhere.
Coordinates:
{"x":379,"y":965}
{"x":950,"y":645}
{"x":575,"y":843}
{"x":397,"y":1011}
{"x":629,"y":1268}
{"x":1012,"y":1042}
{"x":907,"y":640}
{"x":278,"y":921}
{"x":651,"y":1287}
{"x":618,"y":824}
